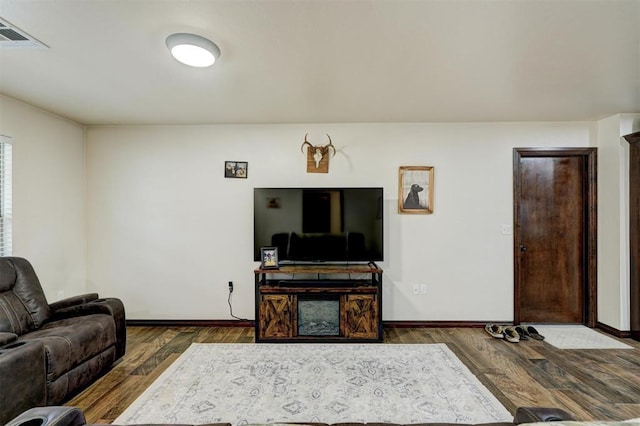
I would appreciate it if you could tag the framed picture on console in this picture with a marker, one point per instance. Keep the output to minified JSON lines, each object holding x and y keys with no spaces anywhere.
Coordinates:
{"x":415,"y":189}
{"x":269,"y":258}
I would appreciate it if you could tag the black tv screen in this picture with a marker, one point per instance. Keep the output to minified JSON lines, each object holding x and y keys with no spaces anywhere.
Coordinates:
{"x":319,"y":224}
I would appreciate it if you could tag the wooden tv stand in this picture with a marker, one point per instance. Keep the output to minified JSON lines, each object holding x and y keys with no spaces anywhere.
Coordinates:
{"x":319,"y":303}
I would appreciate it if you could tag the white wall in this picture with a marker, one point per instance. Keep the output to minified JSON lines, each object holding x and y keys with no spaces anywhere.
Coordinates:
{"x":166,"y":231}
{"x":613,"y":219}
{"x":48,"y":195}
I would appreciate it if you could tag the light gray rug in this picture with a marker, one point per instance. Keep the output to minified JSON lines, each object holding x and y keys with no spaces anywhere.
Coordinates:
{"x":578,"y":337}
{"x":330,"y":383}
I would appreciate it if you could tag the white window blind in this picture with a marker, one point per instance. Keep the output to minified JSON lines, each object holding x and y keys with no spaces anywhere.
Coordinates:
{"x":5,"y":196}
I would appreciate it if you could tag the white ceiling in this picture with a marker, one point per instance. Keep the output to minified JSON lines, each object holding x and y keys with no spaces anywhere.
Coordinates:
{"x":306,"y":61}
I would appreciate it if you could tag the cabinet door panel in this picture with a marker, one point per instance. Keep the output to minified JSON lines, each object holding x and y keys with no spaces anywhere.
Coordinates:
{"x":361,"y":316}
{"x":276,"y":316}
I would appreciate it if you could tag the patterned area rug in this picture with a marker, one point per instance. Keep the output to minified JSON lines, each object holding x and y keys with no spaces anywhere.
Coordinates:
{"x":330,"y":383}
{"x":578,"y":337}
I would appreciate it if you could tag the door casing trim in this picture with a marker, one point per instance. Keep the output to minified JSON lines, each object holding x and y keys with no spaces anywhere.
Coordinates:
{"x":590,"y":252}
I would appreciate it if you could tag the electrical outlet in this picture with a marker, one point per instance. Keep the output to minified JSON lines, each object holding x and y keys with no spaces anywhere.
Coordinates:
{"x":419,"y":289}
{"x":230,"y":286}
{"x":506,"y":229}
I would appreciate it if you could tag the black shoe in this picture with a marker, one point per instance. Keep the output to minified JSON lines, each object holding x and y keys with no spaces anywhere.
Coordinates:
{"x":533,"y":333}
{"x":521,"y":332}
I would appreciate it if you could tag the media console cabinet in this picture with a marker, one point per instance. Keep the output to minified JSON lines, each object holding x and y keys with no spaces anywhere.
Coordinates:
{"x":319,"y":303}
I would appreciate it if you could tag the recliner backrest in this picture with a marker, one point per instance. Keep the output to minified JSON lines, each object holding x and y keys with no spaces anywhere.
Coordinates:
{"x":23,"y":305}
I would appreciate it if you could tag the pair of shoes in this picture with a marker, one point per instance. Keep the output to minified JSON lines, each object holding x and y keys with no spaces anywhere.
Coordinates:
{"x":508,"y":333}
{"x":495,"y":330}
{"x":532,"y":332}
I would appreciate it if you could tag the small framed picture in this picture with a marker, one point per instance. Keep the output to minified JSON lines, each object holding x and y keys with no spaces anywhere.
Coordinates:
{"x":415,"y":189}
{"x":269,"y":256}
{"x":273,"y":203}
{"x":236,"y":169}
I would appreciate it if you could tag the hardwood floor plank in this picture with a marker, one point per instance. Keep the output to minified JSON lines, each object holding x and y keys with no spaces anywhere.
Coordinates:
{"x":141,"y":385}
{"x":586,"y":372}
{"x":550,"y":375}
{"x":628,"y":411}
{"x":580,"y":405}
{"x":207,"y":335}
{"x":178,"y":344}
{"x":623,"y":371}
{"x":591,"y":384}
{"x":522,"y":393}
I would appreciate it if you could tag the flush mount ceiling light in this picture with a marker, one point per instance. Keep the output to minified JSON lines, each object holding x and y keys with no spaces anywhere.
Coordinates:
{"x":192,"y":49}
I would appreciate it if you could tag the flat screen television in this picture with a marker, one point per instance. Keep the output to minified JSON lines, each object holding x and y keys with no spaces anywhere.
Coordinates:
{"x":319,"y":224}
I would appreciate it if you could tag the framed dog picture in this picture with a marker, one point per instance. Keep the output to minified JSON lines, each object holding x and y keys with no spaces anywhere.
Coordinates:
{"x":269,"y":258}
{"x":415,"y":189}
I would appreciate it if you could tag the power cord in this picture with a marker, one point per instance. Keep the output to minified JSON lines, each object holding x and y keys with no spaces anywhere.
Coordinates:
{"x":229,"y":302}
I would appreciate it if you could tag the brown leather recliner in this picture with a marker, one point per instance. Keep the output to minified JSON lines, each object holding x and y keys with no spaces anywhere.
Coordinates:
{"x":50,"y":351}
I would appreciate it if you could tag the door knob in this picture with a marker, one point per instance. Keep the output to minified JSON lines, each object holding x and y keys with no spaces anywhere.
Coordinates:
{"x":523,"y":247}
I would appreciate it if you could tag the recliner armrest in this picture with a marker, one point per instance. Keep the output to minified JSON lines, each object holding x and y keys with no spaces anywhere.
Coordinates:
{"x":116,"y":308}
{"x":110,"y":306}
{"x":541,"y":414}
{"x":6,"y":337}
{"x":72,"y":301}
{"x":78,"y":310}
{"x":50,"y":416}
{"x":23,"y":376}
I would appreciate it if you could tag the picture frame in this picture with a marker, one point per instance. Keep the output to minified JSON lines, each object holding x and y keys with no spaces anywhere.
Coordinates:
{"x":273,"y":203}
{"x":236,"y":169}
{"x":415,"y":189}
{"x":269,"y":258}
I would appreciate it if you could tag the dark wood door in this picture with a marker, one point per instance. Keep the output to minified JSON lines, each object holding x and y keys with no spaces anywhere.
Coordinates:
{"x":554,"y":250}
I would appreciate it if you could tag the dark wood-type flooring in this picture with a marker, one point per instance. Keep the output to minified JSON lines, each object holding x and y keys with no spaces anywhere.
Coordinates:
{"x":592,"y":384}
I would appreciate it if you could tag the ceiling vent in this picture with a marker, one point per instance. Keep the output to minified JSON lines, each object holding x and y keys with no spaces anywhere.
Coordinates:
{"x":12,"y":37}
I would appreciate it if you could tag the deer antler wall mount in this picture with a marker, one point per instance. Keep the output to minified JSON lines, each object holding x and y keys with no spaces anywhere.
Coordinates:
{"x":317,"y":156}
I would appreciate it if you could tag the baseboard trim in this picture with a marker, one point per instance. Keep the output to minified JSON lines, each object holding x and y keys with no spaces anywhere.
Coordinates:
{"x":440,"y":324}
{"x":191,"y":323}
{"x":251,"y":323}
{"x":390,"y":324}
{"x":613,"y":331}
